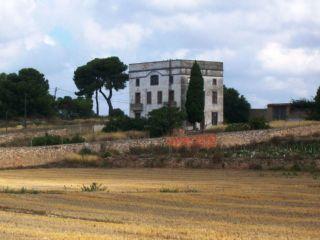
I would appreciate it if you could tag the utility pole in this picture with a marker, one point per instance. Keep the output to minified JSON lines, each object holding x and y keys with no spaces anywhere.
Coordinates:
{"x":25,"y":110}
{"x":55,"y":93}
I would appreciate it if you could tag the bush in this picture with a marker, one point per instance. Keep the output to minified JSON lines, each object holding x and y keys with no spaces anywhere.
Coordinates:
{"x":117,"y":112}
{"x":237,"y":127}
{"x":48,"y":140}
{"x":254,"y":124}
{"x":258,"y":123}
{"x":86,"y":151}
{"x":163,"y":120}
{"x":169,"y":190}
{"x":124,"y":123}
{"x":75,"y":139}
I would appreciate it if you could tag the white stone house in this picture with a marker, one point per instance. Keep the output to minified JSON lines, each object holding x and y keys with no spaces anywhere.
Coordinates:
{"x":155,"y":84}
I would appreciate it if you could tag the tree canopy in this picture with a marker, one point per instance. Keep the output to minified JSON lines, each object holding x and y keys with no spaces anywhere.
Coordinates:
{"x":101,"y":74}
{"x":312,"y":106}
{"x":317,"y":105}
{"x":69,"y":108}
{"x":195,"y":96}
{"x":236,"y":107}
{"x":28,"y":87}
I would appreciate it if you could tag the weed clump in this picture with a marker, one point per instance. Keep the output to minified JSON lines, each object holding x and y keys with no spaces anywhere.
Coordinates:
{"x":93,"y":187}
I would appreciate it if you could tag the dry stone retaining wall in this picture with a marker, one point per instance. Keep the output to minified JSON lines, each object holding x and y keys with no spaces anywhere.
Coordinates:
{"x":32,"y":156}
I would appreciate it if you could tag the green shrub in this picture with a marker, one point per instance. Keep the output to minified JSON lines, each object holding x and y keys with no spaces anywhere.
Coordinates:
{"x":254,"y":124}
{"x":75,"y":139}
{"x":258,"y":123}
{"x":86,"y":151}
{"x":117,"y":112}
{"x":235,"y":127}
{"x":169,"y":190}
{"x":106,"y":154}
{"x":296,"y":168}
{"x":124,"y":123}
{"x":48,"y":140}
{"x":162,"y":121}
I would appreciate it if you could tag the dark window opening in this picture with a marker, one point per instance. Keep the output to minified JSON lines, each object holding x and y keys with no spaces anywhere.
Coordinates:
{"x":214,"y":118}
{"x":149,"y":98}
{"x":171,"y":96}
{"x":154,"y":80}
{"x":159,"y":97}
{"x":138,"y":98}
{"x":170,"y":79}
{"x":214,"y":97}
{"x":138,"y":82}
{"x":214,"y":81}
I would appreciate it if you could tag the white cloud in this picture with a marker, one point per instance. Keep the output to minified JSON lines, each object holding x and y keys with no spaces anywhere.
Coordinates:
{"x":48,"y":40}
{"x":16,"y":19}
{"x":295,"y":86}
{"x":222,"y":54}
{"x":176,"y":4}
{"x":177,"y":54}
{"x":122,"y":37}
{"x":257,"y":101}
{"x":8,"y":52}
{"x":276,"y":57}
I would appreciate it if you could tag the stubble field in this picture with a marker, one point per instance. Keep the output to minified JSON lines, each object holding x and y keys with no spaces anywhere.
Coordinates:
{"x":159,"y":204}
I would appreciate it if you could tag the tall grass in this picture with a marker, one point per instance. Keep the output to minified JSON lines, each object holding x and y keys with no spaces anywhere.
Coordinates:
{"x":110,"y":136}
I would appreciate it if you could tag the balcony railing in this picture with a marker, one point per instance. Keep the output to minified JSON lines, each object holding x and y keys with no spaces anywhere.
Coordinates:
{"x":136,"y":107}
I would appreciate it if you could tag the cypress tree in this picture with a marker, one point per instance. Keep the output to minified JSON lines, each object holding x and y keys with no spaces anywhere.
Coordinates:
{"x":195,"y":96}
{"x":317,"y":105}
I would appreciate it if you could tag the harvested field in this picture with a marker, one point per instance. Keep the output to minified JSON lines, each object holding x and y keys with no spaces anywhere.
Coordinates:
{"x":159,"y":204}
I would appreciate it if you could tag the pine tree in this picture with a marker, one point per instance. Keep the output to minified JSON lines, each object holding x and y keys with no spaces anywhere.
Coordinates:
{"x":195,"y":96}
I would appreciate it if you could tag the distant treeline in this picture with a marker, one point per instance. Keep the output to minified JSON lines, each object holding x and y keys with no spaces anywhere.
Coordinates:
{"x":27,"y":93}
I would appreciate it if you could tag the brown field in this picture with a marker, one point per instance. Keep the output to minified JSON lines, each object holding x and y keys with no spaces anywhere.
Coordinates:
{"x":200,"y":204}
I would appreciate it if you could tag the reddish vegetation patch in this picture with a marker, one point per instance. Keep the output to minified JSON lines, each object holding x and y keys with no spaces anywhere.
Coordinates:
{"x":200,"y":141}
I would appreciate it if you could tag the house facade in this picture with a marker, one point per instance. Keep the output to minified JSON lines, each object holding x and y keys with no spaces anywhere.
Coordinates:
{"x":153,"y":85}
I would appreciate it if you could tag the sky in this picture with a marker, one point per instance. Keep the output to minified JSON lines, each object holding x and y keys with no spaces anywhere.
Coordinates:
{"x":270,"y":48}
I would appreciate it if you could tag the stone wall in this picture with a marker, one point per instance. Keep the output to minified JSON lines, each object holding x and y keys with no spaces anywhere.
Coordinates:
{"x":33,"y":156}
{"x":9,"y":137}
{"x":248,"y":137}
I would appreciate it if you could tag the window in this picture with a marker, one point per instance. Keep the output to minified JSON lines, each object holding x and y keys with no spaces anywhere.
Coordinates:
{"x":138,"y":98}
{"x":149,"y":98}
{"x":214,"y":81}
{"x":170,"y":79}
{"x":214,"y":118}
{"x":214,"y":97}
{"x":154,"y":80}
{"x":137,"y":82}
{"x":159,"y":97}
{"x":171,"y":96}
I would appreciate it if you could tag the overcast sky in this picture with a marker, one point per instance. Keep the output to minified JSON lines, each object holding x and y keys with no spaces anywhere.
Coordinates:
{"x":270,"y":48}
